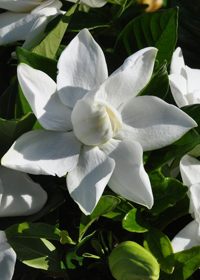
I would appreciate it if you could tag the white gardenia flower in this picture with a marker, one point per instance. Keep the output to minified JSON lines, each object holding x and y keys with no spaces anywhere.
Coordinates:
{"x":91,"y":3}
{"x":189,"y":236}
{"x":26,"y":20}
{"x":95,"y":127}
{"x":7,"y":258}
{"x":184,"y":81}
{"x":19,"y":195}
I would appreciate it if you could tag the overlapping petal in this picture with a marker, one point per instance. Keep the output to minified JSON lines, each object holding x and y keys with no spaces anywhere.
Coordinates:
{"x":152,"y":122}
{"x":186,"y":238}
{"x":82,"y":67}
{"x":129,"y":178}
{"x":193,"y":79}
{"x":127,"y":81}
{"x":20,"y":196}
{"x":40,"y":91}
{"x":178,"y":64}
{"x":44,"y":152}
{"x":190,"y":170}
{"x":7,"y":258}
{"x":87,"y":181}
{"x":91,"y":3}
{"x":178,"y":85}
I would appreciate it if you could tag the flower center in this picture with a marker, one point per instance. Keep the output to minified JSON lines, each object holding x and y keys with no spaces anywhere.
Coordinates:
{"x":95,"y":122}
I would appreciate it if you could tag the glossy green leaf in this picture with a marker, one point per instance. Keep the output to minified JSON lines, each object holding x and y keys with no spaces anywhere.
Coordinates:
{"x":159,"y":83}
{"x":33,"y":250}
{"x":166,"y":192}
{"x":158,"y":29}
{"x":193,"y":112}
{"x":33,"y":230}
{"x":186,"y":263}
{"x":160,"y":246}
{"x":106,"y":203}
{"x":50,"y":44}
{"x":134,"y":222}
{"x":12,"y":129}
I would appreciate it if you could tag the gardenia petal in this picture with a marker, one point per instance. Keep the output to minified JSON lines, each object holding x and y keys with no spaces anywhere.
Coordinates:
{"x":87,"y":181}
{"x":178,"y":86}
{"x":152,"y":122}
{"x":177,"y":63}
{"x":190,"y":170}
{"x":186,"y":238}
{"x":81,"y":67}
{"x":44,"y":152}
{"x":7,"y":258}
{"x":129,"y":178}
{"x":193,"y":79}
{"x":91,"y":3}
{"x":127,"y":81}
{"x":20,"y":6}
{"x":21,"y":196}
{"x":40,"y":91}
{"x":194,"y":196}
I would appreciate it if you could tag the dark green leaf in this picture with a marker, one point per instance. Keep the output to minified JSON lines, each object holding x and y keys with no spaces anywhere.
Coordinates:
{"x":158,"y":29}
{"x":166,"y":191}
{"x":118,"y":213}
{"x":134,"y":222}
{"x":106,"y":203}
{"x":160,"y":246}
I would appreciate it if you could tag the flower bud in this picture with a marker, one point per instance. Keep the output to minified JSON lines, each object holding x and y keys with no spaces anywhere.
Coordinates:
{"x":130,"y":261}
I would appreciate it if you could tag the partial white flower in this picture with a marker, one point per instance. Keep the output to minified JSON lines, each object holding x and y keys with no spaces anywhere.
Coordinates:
{"x":95,"y":127}
{"x":184,"y":81}
{"x":189,"y":236}
{"x":7,"y":258}
{"x":19,"y":195}
{"x":26,"y":20}
{"x":91,"y":3}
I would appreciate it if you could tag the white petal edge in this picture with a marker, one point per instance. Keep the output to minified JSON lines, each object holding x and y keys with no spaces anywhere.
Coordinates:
{"x":81,"y":67}
{"x":193,"y":79}
{"x":178,"y":86}
{"x":129,"y":179}
{"x":152,"y":122}
{"x":21,"y":196}
{"x":177,"y":63}
{"x":40,"y":91}
{"x":190,"y":170}
{"x":186,"y":238}
{"x":91,"y":3}
{"x":194,"y":196}
{"x":43,"y":152}
{"x":7,"y":258}
{"x":129,"y":79}
{"x":87,"y":181}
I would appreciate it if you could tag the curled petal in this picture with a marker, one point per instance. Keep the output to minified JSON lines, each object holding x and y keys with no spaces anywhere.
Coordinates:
{"x":178,"y":86}
{"x":190,"y":170}
{"x":194,"y":195}
{"x":20,"y":195}
{"x":82,"y":67}
{"x":87,"y":181}
{"x":178,"y":63}
{"x":127,"y":81}
{"x":44,"y":152}
{"x":40,"y":91}
{"x":186,"y":238}
{"x":152,"y":122}
{"x":7,"y":258}
{"x":129,"y":178}
{"x":193,"y":79}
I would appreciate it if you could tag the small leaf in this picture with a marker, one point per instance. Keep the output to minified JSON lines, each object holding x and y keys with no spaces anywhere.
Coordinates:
{"x":50,"y":44}
{"x":158,"y":29}
{"x":134,"y":222}
{"x":186,"y":263}
{"x":159,"y":245}
{"x":64,"y":238}
{"x":106,"y":203}
{"x":166,"y":191}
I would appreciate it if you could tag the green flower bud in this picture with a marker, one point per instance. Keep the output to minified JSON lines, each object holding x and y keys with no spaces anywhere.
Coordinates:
{"x":130,"y":261}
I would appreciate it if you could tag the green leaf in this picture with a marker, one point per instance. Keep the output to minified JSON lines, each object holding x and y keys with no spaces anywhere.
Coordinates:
{"x":36,"y":230}
{"x":193,"y":112}
{"x":159,"y":83}
{"x":166,"y":192}
{"x":12,"y":129}
{"x":160,"y":246}
{"x":186,"y":263}
{"x":50,"y":44}
{"x":134,"y":222}
{"x":106,"y":203}
{"x":158,"y":29}
{"x":31,"y":249}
